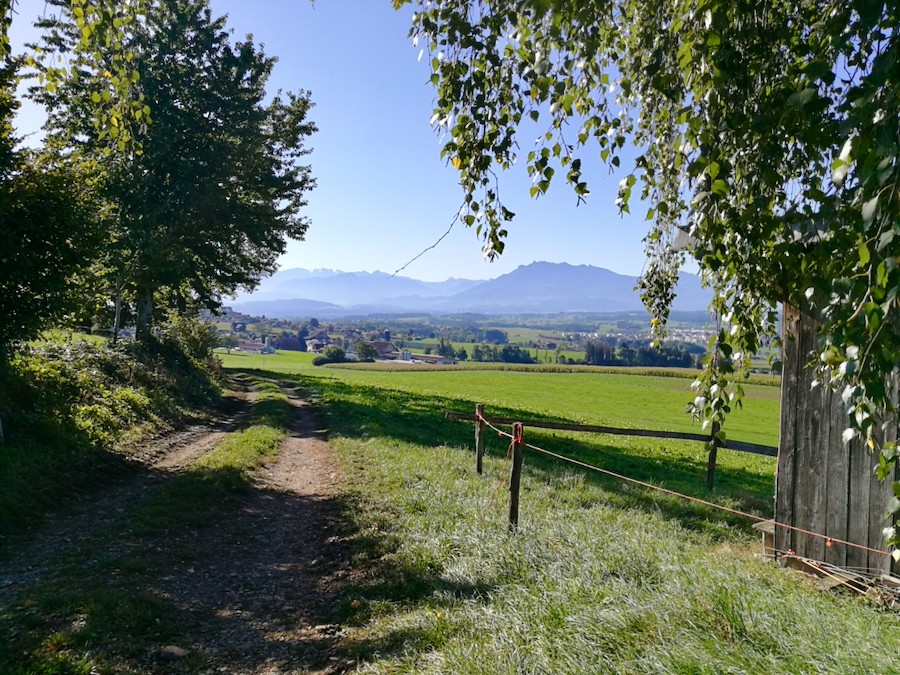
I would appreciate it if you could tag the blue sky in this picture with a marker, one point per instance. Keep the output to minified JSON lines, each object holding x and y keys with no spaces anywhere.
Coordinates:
{"x":384,"y":194}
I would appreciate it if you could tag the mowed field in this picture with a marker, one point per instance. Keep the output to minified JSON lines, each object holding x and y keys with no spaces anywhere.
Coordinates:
{"x":588,"y":396}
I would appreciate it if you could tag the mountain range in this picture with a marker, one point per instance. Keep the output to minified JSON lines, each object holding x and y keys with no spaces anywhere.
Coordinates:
{"x":538,"y":288}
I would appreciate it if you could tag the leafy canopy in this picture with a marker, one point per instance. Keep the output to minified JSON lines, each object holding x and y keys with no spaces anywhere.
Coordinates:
{"x":41,"y":210}
{"x":216,"y":186}
{"x":768,"y":131}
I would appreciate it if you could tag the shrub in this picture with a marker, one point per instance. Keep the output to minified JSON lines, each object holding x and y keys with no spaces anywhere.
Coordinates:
{"x":334,"y":354}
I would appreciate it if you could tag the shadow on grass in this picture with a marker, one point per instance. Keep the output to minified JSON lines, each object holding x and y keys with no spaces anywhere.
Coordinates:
{"x":363,"y":411}
{"x":48,"y":465}
{"x":238,"y":575}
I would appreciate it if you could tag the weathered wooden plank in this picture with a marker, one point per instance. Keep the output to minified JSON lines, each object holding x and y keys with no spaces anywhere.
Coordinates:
{"x":714,"y":444}
{"x":859,"y":485}
{"x":880,"y":494}
{"x":893,"y":434}
{"x":837,"y":481}
{"x":616,"y":431}
{"x":810,"y":465}
{"x":787,"y":439}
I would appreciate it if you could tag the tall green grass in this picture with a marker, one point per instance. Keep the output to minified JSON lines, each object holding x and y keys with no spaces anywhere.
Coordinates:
{"x":601,"y":576}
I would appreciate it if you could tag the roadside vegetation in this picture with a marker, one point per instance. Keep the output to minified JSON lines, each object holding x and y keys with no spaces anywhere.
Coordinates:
{"x":100,"y":612}
{"x":75,"y":410}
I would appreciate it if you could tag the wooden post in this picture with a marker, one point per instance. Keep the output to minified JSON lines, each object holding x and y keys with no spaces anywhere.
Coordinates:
{"x":714,"y":444}
{"x":515,"y":478}
{"x":479,"y":436}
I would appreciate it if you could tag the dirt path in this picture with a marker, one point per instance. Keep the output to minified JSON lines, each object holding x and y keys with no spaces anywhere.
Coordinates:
{"x":273,"y":578}
{"x":257,"y":593}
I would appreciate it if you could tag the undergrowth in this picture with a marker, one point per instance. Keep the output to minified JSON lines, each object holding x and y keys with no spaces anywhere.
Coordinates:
{"x":71,"y":409}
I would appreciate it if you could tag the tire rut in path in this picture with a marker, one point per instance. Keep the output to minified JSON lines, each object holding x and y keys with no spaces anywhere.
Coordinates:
{"x":256,"y":592}
{"x":266,"y":583}
{"x":82,"y":520}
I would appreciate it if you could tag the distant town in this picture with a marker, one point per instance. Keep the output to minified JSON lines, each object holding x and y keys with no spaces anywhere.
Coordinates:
{"x":612,"y":339}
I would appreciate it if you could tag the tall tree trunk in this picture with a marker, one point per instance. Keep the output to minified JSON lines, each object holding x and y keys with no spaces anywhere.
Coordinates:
{"x":117,"y":324}
{"x":144,"y":318}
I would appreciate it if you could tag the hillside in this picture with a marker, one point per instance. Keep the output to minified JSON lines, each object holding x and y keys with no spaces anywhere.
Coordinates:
{"x":538,"y":288}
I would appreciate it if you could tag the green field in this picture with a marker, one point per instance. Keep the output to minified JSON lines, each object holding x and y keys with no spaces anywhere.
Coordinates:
{"x":617,"y":399}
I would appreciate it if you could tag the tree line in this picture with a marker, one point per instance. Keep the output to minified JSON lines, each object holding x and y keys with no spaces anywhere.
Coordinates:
{"x":167,"y":179}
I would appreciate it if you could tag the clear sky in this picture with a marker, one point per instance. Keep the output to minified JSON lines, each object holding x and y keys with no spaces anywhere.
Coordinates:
{"x":384,"y":195}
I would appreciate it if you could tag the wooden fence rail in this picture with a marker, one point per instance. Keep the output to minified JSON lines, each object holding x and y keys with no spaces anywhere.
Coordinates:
{"x":740,"y":446}
{"x":712,"y":441}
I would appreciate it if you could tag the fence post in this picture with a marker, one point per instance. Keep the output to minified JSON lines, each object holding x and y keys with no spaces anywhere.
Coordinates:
{"x":515,"y":478}
{"x":714,"y":444}
{"x":479,"y":436}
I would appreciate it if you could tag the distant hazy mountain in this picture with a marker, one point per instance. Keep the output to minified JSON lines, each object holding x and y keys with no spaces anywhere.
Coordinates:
{"x":538,"y":288}
{"x":351,"y":288}
{"x":287,"y":309}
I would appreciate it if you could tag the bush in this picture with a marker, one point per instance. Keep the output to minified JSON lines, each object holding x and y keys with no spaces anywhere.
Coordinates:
{"x":335,"y":354}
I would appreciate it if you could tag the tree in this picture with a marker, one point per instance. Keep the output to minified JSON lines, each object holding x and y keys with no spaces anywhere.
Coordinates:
{"x":768,"y":135}
{"x":365,"y":351}
{"x":445,"y":348}
{"x":48,"y":231}
{"x":118,"y":111}
{"x":334,"y":354}
{"x":207,"y":203}
{"x":229,"y":341}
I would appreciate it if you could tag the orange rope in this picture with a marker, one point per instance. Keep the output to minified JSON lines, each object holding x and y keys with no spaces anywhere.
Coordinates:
{"x":711,"y":505}
{"x":828,"y":540}
{"x":501,"y":479}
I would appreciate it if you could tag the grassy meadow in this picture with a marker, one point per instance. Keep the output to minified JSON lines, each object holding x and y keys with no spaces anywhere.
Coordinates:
{"x":601,"y":576}
{"x":612,"y":397}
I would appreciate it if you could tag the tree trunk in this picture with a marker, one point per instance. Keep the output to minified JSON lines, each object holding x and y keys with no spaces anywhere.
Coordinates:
{"x":117,"y":324}
{"x":144,"y":318}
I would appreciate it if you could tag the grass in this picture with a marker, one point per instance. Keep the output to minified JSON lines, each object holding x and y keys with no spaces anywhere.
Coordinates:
{"x":614,"y":397}
{"x":72,"y":409}
{"x":601,"y":577}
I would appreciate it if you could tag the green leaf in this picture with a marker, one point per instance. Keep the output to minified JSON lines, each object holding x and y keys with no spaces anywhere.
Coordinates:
{"x":869,"y":209}
{"x":801,"y":98}
{"x":864,"y":255}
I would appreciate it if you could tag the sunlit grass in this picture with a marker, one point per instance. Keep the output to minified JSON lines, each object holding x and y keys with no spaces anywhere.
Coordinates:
{"x":640,"y":398}
{"x":601,"y":576}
